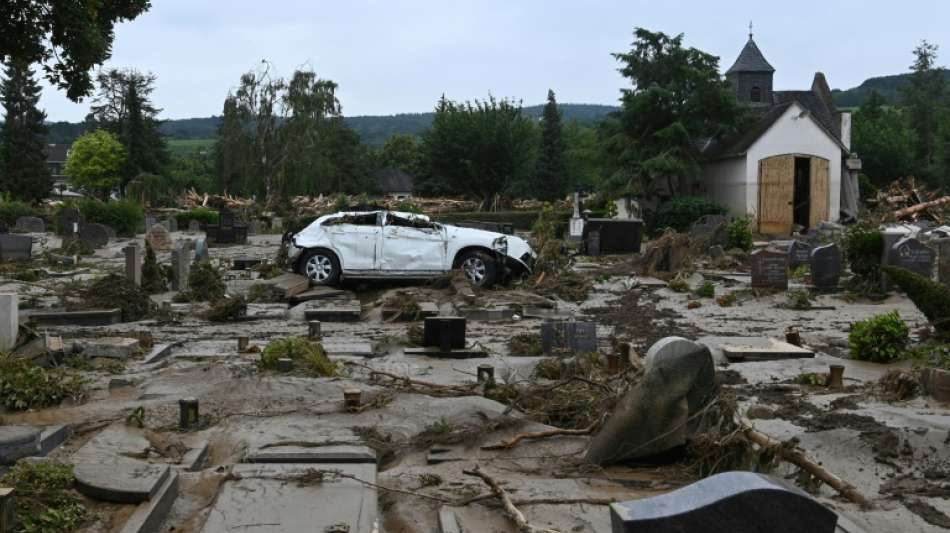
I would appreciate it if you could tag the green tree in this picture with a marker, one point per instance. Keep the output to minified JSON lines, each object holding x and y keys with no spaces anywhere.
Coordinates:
{"x":678,"y":99}
{"x":481,"y":148}
{"x":311,"y":108}
{"x":584,"y":155}
{"x":882,"y":138}
{"x":123,"y":107}
{"x":925,"y":102}
{"x":23,"y":174}
{"x":551,"y":175}
{"x":68,"y":38}
{"x":95,"y":162}
{"x":230,"y":149}
{"x":402,"y":151}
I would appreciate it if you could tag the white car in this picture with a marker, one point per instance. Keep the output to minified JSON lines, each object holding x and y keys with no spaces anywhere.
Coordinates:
{"x":389,"y":244}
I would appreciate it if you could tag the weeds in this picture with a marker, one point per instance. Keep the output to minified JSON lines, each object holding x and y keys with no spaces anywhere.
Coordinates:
{"x":525,"y":344}
{"x":25,"y":385}
{"x":881,"y":338}
{"x":306,"y":354}
{"x":45,"y":499}
{"x":706,"y":290}
{"x":798,"y":299}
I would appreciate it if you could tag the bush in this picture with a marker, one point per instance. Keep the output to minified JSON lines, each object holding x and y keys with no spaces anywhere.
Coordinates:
{"x":680,"y":213}
{"x":305,"y":353}
{"x":228,"y":310}
{"x":930,"y":297}
{"x":124,"y":216}
{"x":863,"y":246}
{"x":153,"y":280}
{"x":10,"y":210}
{"x":706,"y":290}
{"x":881,"y":339}
{"x":203,"y":215}
{"x":45,"y":499}
{"x":740,"y":234}
{"x":25,"y":385}
{"x":118,"y":291}
{"x":205,"y":284}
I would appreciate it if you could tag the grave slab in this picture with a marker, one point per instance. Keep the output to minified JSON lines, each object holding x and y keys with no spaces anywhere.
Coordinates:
{"x":94,"y":317}
{"x":737,"y":502}
{"x":330,"y":454}
{"x":426,"y":310}
{"x":448,"y":522}
{"x":333,"y":311}
{"x":245,"y":262}
{"x":321,"y":293}
{"x":487,"y":314}
{"x":119,"y":444}
{"x":286,"y":286}
{"x":111,"y":347}
{"x":349,"y":349}
{"x":17,"y":442}
{"x":120,"y":483}
{"x":149,"y":515}
{"x":52,"y":437}
{"x":458,"y":353}
{"x":754,"y":348}
{"x":290,"y":507}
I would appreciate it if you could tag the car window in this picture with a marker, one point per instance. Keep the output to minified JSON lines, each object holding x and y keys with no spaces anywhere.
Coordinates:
{"x":418,"y":223}
{"x":365,"y":219}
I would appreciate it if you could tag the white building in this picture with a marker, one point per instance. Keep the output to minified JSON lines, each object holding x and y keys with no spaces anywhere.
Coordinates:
{"x":792,"y":167}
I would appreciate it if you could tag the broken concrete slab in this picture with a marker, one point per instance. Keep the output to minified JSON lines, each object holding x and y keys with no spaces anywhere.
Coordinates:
{"x":149,"y":515}
{"x":93,"y":317}
{"x":754,"y":349}
{"x":122,"y":482}
{"x":739,"y":502}
{"x":333,"y":311}
{"x":159,"y":352}
{"x":321,"y":292}
{"x":287,"y":285}
{"x":110,"y":347}
{"x":17,"y":442}
{"x":336,"y":502}
{"x":245,"y":262}
{"x":349,"y":349}
{"x":331,"y":453}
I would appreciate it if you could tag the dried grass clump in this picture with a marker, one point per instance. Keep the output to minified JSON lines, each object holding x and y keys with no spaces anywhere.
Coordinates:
{"x":205,"y":284}
{"x":404,"y":306}
{"x":117,"y":291}
{"x":525,"y":344}
{"x":305,"y":353}
{"x":228,"y":310}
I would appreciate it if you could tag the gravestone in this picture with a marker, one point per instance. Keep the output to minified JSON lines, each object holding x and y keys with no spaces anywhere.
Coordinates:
{"x":9,"y":321}
{"x":94,"y":235}
{"x":711,"y":229}
{"x":150,"y":221}
{"x":564,"y":336}
{"x":799,"y":253}
{"x":253,"y":227}
{"x":15,"y":247}
{"x":770,"y":269}
{"x":181,"y":265}
{"x":913,"y":255}
{"x":576,"y":227}
{"x":68,"y":222}
{"x":30,"y":225}
{"x":133,"y":263}
{"x":201,"y":250}
{"x":446,"y":332}
{"x":194,"y":226}
{"x":592,"y":242}
{"x":943,"y":260}
{"x":227,"y":231}
{"x":613,"y":236}
{"x":159,"y":238}
{"x":826,"y":266}
{"x":172,"y":224}
{"x":737,"y":502}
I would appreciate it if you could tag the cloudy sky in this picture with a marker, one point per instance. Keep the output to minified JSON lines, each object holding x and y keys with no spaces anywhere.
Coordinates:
{"x":400,"y":56}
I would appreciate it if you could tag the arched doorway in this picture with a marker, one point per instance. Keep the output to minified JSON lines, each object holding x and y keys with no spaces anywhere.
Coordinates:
{"x":793,"y":189}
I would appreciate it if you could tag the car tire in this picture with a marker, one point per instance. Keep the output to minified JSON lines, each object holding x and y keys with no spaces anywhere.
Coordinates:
{"x":480,"y":268}
{"x":320,"y":266}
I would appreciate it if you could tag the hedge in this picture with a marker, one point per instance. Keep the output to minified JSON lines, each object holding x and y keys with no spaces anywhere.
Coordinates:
{"x":203,"y":215}
{"x":124,"y":216}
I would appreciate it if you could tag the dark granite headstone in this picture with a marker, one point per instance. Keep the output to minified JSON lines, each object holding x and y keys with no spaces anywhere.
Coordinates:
{"x":445,"y":332}
{"x":826,"y":266}
{"x":614,"y":236}
{"x":30,"y":225}
{"x":770,"y":269}
{"x":799,"y":253}
{"x":737,"y":502}
{"x":68,"y":222}
{"x":94,"y":235}
{"x":913,"y":255}
{"x":592,"y":242}
{"x":943,"y":260}
{"x":15,"y":247}
{"x":560,"y":336}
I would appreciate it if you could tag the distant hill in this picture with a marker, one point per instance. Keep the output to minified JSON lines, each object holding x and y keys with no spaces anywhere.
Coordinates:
{"x":887,"y":86}
{"x":373,"y":130}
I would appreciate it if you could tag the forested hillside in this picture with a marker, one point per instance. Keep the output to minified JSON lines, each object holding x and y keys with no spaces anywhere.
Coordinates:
{"x":887,"y":86}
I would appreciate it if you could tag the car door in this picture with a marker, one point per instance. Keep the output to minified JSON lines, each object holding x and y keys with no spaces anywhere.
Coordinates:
{"x":412,"y":245}
{"x":355,"y":239}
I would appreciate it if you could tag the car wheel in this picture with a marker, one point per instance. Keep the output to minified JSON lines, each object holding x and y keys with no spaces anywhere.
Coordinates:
{"x":321,"y":267}
{"x":479,"y":268}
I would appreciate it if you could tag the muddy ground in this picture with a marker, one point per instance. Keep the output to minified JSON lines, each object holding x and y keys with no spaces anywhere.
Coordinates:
{"x":894,"y":452}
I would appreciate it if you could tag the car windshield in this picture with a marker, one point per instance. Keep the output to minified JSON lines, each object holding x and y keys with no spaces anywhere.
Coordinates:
{"x":357,"y":219}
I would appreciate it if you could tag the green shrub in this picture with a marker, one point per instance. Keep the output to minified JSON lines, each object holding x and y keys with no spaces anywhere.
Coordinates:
{"x":867,"y":189}
{"x":203,"y":215}
{"x":10,"y":210}
{"x":45,"y":499}
{"x":680,"y":213}
{"x":305,"y":353}
{"x":405,"y":206}
{"x":739,"y":234}
{"x":205,"y":284}
{"x":228,"y":310}
{"x":25,"y":385}
{"x":153,"y":279}
{"x":706,"y":290}
{"x":118,"y":291}
{"x":882,"y":338}
{"x":930,"y":297}
{"x":124,"y":216}
{"x":863,"y":246}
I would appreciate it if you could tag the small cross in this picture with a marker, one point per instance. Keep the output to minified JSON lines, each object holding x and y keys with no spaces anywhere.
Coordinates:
{"x":750,"y":29}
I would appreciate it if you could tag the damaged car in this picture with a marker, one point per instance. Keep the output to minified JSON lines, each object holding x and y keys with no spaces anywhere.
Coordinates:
{"x":385,"y":244}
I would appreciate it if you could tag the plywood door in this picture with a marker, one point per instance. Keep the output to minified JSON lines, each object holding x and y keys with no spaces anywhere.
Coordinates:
{"x":776,"y":192}
{"x":819,"y":192}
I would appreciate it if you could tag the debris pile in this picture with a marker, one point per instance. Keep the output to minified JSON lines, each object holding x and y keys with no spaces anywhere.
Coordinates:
{"x":909,"y":201}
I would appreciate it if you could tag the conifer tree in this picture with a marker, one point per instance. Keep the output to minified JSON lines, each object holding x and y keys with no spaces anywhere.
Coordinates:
{"x":24,"y":175}
{"x":551,"y":179}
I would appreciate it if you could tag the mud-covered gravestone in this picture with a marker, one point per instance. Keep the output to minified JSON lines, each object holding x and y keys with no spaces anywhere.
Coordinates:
{"x":568,"y":337}
{"x":770,"y":269}
{"x":913,"y":255}
{"x":159,"y":238}
{"x":30,"y":225}
{"x":799,"y":253}
{"x":737,"y":502}
{"x":94,"y":235}
{"x":826,"y":267}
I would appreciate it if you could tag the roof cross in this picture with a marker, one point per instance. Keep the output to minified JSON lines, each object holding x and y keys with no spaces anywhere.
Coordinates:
{"x":750,"y":29}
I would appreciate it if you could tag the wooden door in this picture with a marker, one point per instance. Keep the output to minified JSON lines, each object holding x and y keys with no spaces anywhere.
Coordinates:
{"x":776,"y":192}
{"x":818,"y":192}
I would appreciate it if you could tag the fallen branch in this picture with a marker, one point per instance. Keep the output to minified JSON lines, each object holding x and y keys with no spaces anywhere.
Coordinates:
{"x":511,"y":443}
{"x":907,"y":211}
{"x":799,"y":459}
{"x":410,"y":381}
{"x":511,"y":511}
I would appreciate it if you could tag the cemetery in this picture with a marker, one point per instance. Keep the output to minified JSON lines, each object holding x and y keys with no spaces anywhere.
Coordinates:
{"x":635,"y":381}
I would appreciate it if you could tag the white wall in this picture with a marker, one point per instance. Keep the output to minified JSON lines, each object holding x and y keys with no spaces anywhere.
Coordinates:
{"x":793,"y":135}
{"x":725,"y":182}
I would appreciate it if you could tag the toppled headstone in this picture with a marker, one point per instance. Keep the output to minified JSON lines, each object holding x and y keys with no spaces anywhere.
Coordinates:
{"x":567,"y":336}
{"x":159,"y":238}
{"x":30,"y":225}
{"x":94,"y":235}
{"x":770,"y":269}
{"x":799,"y":253}
{"x":93,"y":317}
{"x":680,"y":379}
{"x":826,"y":267}
{"x":111,"y":347}
{"x":737,"y":502}
{"x":758,"y":349}
{"x":15,"y":247}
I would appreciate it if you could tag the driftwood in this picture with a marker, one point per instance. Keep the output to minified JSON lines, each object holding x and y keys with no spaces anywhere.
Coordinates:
{"x":799,"y":459}
{"x":511,"y":511}
{"x":511,"y":443}
{"x":914,"y":209}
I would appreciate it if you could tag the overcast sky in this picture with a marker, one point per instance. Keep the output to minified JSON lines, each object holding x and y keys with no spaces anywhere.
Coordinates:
{"x":399,"y":56}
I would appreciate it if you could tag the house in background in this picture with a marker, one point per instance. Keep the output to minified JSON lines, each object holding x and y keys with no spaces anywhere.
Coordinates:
{"x":393,"y":183}
{"x":794,"y":166}
{"x":56,"y":155}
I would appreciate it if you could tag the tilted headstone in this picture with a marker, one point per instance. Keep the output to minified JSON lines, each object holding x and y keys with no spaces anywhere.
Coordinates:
{"x":68,"y":222}
{"x":159,"y":237}
{"x":737,"y":502}
{"x":562,"y":336}
{"x":94,"y":235}
{"x":16,"y":247}
{"x":133,"y":263}
{"x":826,"y":266}
{"x":913,"y":255}
{"x":194,"y":226}
{"x":770,"y":269}
{"x":181,"y":266}
{"x":30,"y":225}
{"x":799,"y":253}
